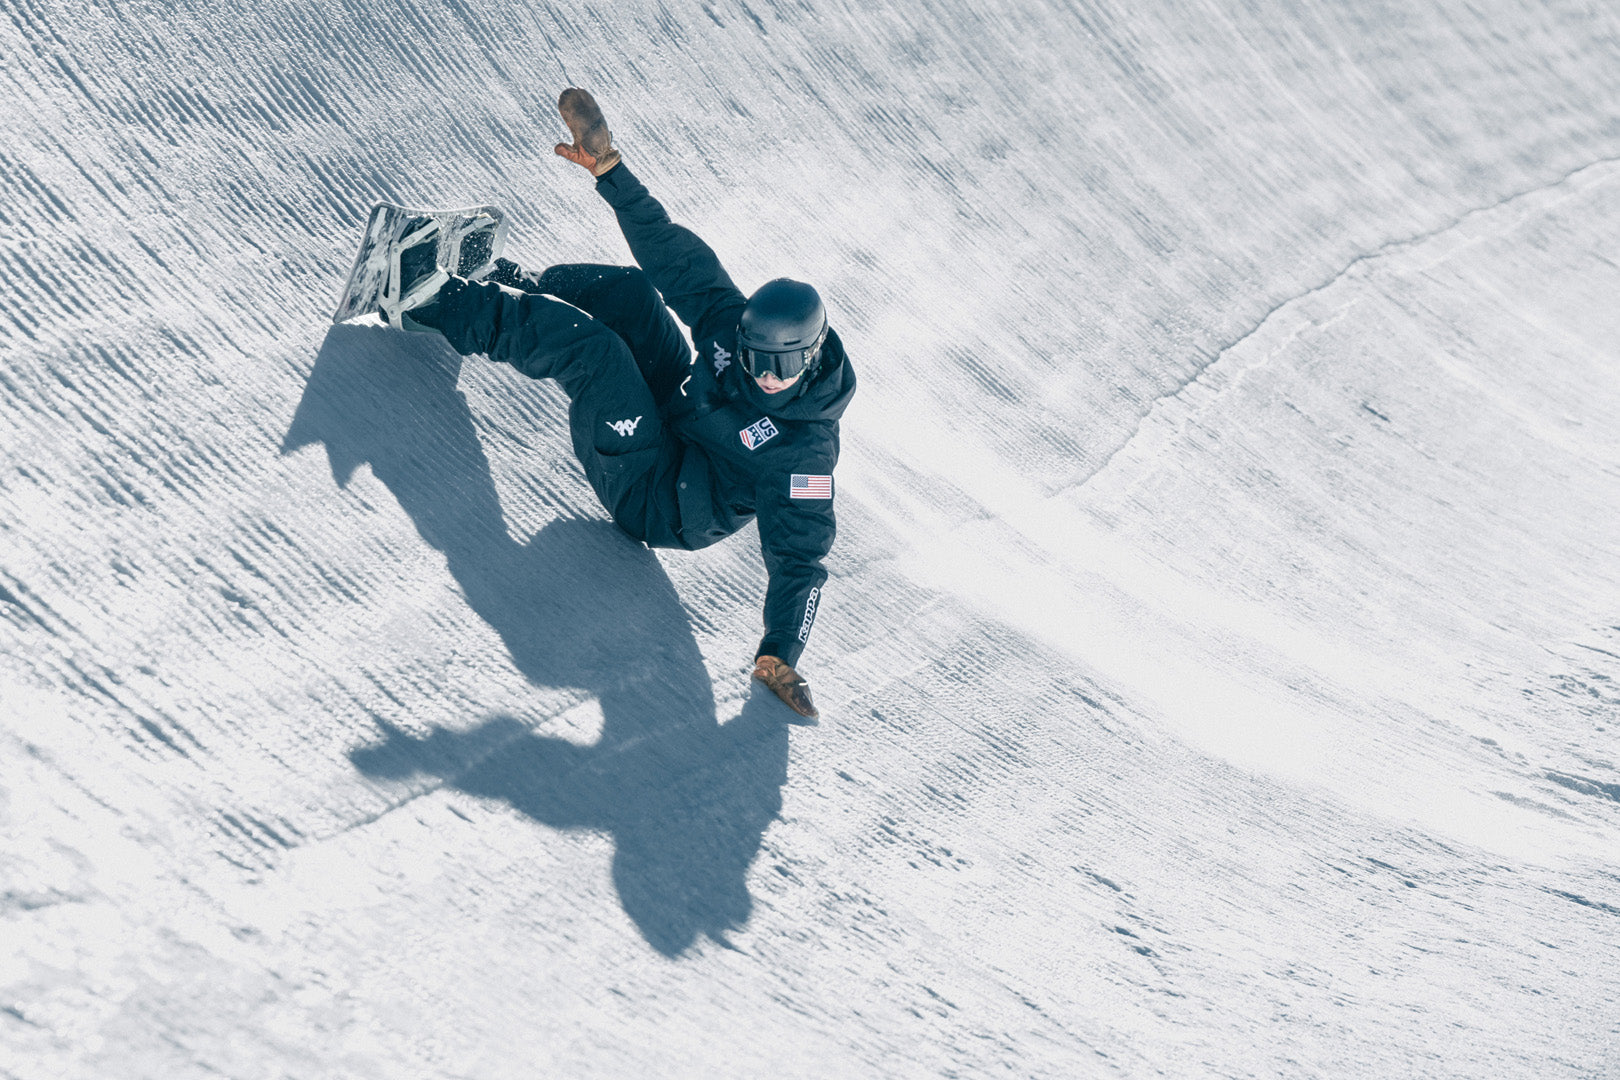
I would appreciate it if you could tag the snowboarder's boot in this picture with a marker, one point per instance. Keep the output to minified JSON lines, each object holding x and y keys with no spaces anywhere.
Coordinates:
{"x":477,"y":248}
{"x":414,"y":273}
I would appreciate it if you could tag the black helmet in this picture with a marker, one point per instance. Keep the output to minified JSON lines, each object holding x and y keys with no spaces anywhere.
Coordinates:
{"x":783,"y":326}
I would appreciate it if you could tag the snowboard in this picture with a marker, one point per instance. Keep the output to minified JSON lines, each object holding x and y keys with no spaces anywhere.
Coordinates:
{"x":469,"y":241}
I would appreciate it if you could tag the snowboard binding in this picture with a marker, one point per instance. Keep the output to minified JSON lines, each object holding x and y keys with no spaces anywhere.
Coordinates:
{"x":407,"y":254}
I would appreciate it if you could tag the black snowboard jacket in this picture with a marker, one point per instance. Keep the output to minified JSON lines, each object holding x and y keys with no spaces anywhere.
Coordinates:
{"x":746,"y":453}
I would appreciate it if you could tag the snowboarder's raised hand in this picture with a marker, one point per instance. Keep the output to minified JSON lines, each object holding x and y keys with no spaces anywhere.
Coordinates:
{"x":593,"y":145}
{"x":786,"y":683}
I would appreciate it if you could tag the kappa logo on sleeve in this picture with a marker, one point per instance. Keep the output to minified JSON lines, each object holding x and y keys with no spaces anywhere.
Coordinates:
{"x":809,"y":614}
{"x":624,"y":427}
{"x":810,"y":487}
{"x":760,"y":431}
{"x":722,"y":359}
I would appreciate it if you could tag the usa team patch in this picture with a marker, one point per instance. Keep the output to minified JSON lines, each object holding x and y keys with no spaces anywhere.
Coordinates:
{"x":810,"y":487}
{"x":761,"y":430}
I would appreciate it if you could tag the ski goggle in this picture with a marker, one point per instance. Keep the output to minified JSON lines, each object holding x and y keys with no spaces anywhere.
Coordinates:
{"x":784,"y":365}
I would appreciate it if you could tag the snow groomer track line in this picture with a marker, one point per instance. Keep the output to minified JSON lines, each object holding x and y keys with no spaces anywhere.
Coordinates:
{"x":1217,"y":661}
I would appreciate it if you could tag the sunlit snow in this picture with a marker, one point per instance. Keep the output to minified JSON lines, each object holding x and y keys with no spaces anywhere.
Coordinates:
{"x":1220,"y":666}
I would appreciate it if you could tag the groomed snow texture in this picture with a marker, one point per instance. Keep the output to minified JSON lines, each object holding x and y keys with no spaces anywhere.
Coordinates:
{"x":1220,"y":666}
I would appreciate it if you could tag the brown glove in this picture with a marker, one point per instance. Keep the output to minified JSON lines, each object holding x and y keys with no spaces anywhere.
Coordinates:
{"x":787,"y":685}
{"x":593,"y":145}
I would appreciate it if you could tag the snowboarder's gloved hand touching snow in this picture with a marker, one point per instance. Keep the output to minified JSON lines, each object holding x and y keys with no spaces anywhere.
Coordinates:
{"x":787,"y":684}
{"x":593,"y":145}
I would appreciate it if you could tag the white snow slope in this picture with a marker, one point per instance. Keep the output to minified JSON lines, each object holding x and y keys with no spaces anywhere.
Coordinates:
{"x":1219,"y":667}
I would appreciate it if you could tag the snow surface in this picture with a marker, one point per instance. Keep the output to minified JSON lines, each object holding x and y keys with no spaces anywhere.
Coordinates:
{"x":1220,"y":670}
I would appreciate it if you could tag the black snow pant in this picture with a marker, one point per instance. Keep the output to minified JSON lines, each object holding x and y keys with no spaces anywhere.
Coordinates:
{"x":604,"y":333}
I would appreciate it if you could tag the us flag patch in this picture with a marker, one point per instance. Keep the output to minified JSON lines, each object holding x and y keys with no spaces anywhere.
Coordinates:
{"x":810,"y":487}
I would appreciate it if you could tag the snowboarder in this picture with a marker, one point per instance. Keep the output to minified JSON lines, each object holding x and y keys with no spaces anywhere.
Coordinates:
{"x":683,"y":450}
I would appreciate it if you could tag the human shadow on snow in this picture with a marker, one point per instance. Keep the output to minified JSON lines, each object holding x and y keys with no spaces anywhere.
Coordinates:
{"x":579,"y":605}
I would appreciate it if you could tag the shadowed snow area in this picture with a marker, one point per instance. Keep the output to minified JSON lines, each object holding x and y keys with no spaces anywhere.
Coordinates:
{"x":1220,"y":666}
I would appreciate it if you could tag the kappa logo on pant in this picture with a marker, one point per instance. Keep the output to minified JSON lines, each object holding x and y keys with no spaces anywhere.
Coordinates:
{"x":624,"y":427}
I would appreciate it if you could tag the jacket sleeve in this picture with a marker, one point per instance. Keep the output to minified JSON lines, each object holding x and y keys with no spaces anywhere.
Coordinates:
{"x":795,"y":534}
{"x":682,"y":267}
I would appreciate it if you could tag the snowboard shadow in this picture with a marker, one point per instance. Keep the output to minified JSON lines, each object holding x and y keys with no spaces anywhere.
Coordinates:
{"x":579,"y":605}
